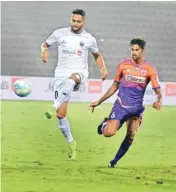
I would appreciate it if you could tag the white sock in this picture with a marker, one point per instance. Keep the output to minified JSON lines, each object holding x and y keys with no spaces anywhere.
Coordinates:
{"x":64,"y":93}
{"x":64,"y":126}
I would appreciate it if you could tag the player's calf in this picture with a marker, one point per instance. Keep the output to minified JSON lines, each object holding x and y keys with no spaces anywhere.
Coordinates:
{"x":132,"y":127}
{"x":131,"y":133}
{"x":124,"y":147}
{"x":62,"y":111}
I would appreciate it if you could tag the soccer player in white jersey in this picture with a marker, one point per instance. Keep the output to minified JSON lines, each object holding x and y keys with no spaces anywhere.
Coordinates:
{"x":72,"y":68}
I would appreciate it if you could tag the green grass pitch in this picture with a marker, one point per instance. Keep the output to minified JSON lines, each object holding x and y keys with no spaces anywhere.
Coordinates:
{"x":34,"y":152}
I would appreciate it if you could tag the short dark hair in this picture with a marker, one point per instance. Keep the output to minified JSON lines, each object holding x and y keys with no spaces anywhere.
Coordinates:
{"x":79,"y":12}
{"x":139,"y":41}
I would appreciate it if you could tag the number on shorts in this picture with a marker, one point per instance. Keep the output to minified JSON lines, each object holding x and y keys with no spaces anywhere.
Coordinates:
{"x":56,"y":94}
{"x":113,"y":115}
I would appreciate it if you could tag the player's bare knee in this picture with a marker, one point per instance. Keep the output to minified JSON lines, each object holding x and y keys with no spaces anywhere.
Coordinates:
{"x":61,"y":115}
{"x":76,"y":77}
{"x":111,"y":129}
{"x":109,"y":132}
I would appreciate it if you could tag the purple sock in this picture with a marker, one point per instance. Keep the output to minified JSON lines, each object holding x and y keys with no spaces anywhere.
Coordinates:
{"x":122,"y":150}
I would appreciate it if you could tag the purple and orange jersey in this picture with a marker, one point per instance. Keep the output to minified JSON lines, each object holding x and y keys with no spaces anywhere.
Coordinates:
{"x":133,"y":80}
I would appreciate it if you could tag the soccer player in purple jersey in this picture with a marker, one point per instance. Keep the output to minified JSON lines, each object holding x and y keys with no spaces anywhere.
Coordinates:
{"x":131,"y":80}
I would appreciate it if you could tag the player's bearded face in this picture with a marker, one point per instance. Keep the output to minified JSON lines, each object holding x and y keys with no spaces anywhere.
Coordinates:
{"x":136,"y":52}
{"x":77,"y":23}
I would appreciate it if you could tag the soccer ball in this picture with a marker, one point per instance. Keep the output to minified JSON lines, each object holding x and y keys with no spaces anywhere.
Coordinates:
{"x":22,"y":87}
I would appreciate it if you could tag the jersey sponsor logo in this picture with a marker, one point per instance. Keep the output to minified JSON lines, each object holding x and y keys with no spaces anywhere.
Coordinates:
{"x":79,"y":52}
{"x":135,"y":79}
{"x":72,"y":52}
{"x":143,"y":72}
{"x":68,"y":52}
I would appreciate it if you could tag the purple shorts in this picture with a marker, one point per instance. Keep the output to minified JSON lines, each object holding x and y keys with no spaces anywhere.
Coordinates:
{"x":122,"y":114}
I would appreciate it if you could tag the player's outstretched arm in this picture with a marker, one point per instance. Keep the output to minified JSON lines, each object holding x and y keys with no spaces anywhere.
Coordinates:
{"x":158,"y":103}
{"x":114,"y":87}
{"x":100,"y":62}
{"x":44,"y":52}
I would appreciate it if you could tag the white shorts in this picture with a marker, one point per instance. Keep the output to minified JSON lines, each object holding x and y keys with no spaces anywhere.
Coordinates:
{"x":58,"y":83}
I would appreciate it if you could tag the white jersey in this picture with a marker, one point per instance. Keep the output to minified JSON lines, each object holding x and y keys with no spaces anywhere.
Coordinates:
{"x":72,"y":51}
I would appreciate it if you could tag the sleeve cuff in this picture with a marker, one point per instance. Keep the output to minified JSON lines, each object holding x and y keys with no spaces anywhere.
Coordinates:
{"x":118,"y":82}
{"x":156,"y":87}
{"x":48,"y":43}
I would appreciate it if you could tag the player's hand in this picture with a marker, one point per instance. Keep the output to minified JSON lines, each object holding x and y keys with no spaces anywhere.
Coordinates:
{"x":44,"y":56}
{"x":157,"y":105}
{"x":93,"y":105}
{"x":104,"y":73}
